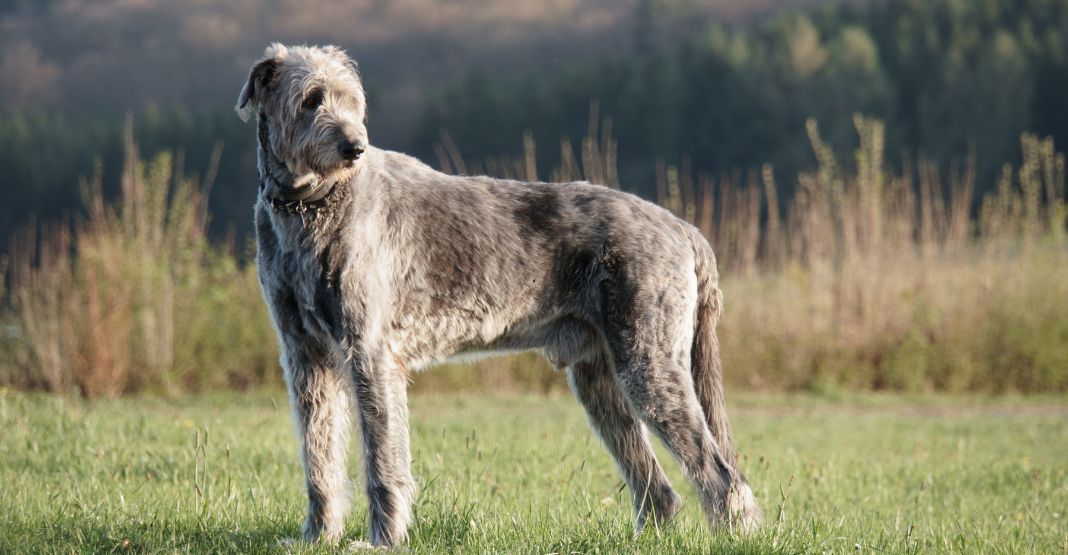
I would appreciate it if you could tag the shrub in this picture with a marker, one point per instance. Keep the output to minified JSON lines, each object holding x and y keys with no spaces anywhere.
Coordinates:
{"x":133,"y":296}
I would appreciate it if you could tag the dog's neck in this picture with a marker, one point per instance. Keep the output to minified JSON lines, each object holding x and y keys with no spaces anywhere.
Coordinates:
{"x":276,"y":183}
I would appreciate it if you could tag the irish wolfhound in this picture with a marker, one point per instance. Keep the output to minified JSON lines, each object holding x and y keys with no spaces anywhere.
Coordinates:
{"x":375,"y":265}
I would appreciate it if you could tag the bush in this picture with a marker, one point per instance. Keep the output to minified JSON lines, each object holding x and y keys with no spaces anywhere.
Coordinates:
{"x":134,"y":296}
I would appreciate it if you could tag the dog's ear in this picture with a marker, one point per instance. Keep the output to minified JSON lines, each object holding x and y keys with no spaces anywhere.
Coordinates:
{"x":259,"y":78}
{"x":340,"y":53}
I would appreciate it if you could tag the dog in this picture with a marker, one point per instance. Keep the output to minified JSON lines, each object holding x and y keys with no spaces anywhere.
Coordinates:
{"x":375,"y":265}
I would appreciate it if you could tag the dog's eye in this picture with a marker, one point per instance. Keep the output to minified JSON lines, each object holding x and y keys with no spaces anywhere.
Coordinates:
{"x":313,"y":100}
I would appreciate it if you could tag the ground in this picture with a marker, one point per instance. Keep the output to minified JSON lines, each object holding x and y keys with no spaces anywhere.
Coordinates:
{"x":219,"y":473}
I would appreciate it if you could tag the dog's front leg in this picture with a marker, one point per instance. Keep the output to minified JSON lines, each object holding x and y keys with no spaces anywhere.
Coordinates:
{"x":382,"y":401}
{"x":320,"y":396}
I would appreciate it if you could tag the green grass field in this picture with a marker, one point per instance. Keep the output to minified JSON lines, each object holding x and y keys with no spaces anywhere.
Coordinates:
{"x":220,"y":473}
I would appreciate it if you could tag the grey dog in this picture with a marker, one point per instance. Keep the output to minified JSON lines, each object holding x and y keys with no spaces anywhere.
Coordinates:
{"x":375,"y":265}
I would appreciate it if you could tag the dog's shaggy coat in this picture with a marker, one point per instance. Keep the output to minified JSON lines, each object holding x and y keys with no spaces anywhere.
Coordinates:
{"x":375,"y":265}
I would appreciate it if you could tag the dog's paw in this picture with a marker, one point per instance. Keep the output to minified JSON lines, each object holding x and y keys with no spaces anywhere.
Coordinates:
{"x":743,"y":513}
{"x":289,"y":544}
{"x":360,"y":545}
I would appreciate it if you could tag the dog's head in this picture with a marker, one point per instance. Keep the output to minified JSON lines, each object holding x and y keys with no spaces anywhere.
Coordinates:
{"x":312,"y":111}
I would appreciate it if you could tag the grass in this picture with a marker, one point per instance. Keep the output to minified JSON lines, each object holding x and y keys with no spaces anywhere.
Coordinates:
{"x":219,"y":473}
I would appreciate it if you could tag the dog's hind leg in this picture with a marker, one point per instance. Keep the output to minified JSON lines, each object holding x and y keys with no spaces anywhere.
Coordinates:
{"x":321,"y":399}
{"x":382,"y":401}
{"x":662,"y":393}
{"x":624,"y":437}
{"x":650,"y":335}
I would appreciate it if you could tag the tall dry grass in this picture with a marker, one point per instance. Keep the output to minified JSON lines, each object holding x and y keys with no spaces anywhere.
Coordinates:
{"x":893,"y":281}
{"x":862,"y":278}
{"x":133,"y":296}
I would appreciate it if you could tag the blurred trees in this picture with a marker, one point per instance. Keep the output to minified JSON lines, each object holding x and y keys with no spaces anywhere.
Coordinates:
{"x":43,"y":154}
{"x":949,"y":77}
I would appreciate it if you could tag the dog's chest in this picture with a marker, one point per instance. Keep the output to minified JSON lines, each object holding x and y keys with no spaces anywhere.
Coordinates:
{"x":301,"y":279}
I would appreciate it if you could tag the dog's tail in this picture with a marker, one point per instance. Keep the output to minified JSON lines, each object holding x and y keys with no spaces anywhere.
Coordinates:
{"x":706,"y":365}
{"x":707,"y":368}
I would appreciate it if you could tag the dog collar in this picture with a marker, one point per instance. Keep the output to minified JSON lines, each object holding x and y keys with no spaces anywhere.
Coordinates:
{"x":303,"y":201}
{"x":307,"y":201}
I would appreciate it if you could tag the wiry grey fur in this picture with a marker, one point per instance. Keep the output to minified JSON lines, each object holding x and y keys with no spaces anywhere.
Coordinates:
{"x":392,"y":267}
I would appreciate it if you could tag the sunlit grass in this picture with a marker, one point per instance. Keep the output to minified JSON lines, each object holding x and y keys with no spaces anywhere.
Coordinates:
{"x":524,"y":474}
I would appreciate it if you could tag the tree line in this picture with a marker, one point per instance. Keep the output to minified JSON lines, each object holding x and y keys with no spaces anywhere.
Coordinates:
{"x":951,"y":78}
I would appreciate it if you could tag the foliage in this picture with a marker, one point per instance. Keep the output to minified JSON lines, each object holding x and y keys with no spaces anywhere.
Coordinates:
{"x":220,"y":474}
{"x":947,"y":76}
{"x":134,"y":296}
{"x":43,"y":154}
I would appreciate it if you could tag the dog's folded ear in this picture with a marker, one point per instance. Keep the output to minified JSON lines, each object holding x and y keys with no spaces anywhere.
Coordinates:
{"x":259,"y":78}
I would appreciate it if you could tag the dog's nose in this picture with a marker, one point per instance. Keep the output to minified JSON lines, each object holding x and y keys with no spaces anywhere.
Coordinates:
{"x":349,"y":150}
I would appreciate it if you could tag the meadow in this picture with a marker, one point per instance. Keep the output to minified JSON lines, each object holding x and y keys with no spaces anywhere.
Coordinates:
{"x":895,"y":342}
{"x":895,"y":347}
{"x":514,"y":473}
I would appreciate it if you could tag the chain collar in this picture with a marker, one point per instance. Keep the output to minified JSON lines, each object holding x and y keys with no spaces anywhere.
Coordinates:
{"x":323,"y":196}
